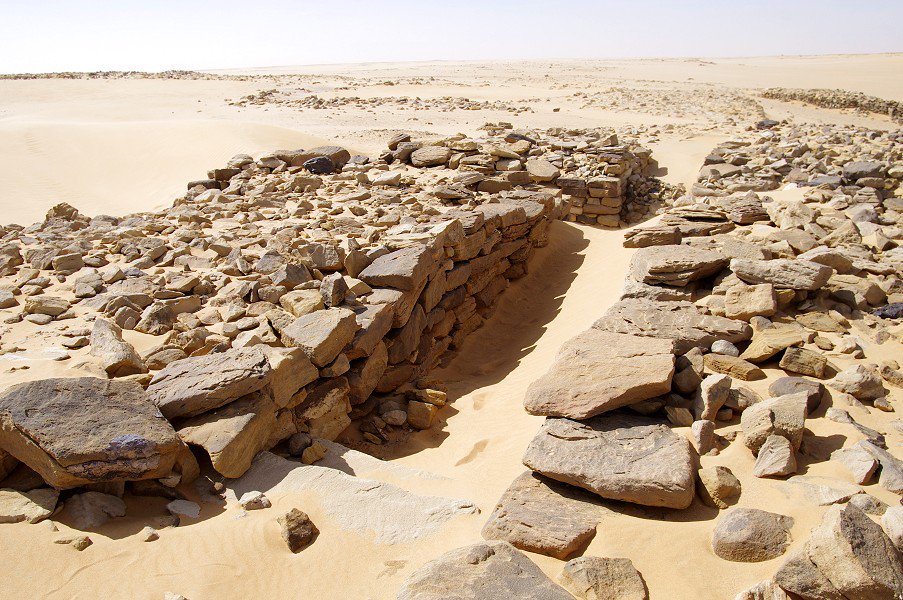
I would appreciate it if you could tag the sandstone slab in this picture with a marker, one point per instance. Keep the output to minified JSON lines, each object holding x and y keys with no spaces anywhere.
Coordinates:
{"x":540,"y":515}
{"x":620,"y":457}
{"x":479,"y":572}
{"x":675,"y":265}
{"x":195,"y":385}
{"x":85,"y":430}
{"x":678,"y":321}
{"x":598,"y":371}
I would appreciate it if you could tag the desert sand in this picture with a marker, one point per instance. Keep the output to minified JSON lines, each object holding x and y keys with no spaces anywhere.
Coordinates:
{"x":120,"y":146}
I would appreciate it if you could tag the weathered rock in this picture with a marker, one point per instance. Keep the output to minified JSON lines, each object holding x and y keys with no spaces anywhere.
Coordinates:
{"x":718,"y":486}
{"x":675,"y":265}
{"x":621,"y":457}
{"x":92,"y":509}
{"x":51,"y":306}
{"x":291,"y":371}
{"x":678,"y":321}
{"x":32,"y":506}
{"x":322,"y":334}
{"x":117,"y":357}
{"x":541,"y":170}
{"x":479,"y":572}
{"x":430,"y":156}
{"x":847,"y":556}
{"x":745,"y":302}
{"x":751,"y":535}
{"x":734,"y":366}
{"x":599,"y":371}
{"x":892,"y":521}
{"x":233,"y":434}
{"x":196,"y":385}
{"x":643,"y":237}
{"x":764,"y":590}
{"x":783,"y":273}
{"x":784,"y":416}
{"x":594,"y":578}
{"x":713,"y":393}
{"x":84,"y":430}
{"x":793,"y":385}
{"x":298,"y":530}
{"x":860,"y":382}
{"x":404,"y":269}
{"x":540,"y":515}
{"x":776,"y":458}
{"x":859,"y":462}
{"x":254,"y":501}
{"x":768,"y":342}
{"x":302,"y":302}
{"x":804,"y":362}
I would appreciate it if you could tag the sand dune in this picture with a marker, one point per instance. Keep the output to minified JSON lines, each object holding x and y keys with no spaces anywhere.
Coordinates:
{"x":119,"y":167}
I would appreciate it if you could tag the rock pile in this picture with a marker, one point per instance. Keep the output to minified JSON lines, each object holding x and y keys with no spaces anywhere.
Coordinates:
{"x":278,"y":300}
{"x":839,"y":99}
{"x":726,"y":283}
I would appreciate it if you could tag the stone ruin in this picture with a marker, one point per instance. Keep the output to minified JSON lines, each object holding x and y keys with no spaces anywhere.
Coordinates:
{"x":308,"y":294}
{"x":291,"y":295}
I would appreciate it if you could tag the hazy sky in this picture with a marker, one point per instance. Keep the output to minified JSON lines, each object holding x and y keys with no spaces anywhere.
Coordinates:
{"x":83,"y":35}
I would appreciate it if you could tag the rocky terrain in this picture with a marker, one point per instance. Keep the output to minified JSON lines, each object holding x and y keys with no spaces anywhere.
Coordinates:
{"x":298,"y":356}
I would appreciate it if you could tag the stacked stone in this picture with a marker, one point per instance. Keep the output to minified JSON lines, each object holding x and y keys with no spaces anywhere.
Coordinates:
{"x":858,"y":162}
{"x":291,"y":294}
{"x":839,"y":99}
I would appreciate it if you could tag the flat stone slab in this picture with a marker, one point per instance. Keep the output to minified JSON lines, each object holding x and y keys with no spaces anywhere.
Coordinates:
{"x":85,"y":430}
{"x":618,"y":456}
{"x":598,"y":371}
{"x":540,"y":515}
{"x":675,"y":265}
{"x":480,"y":572}
{"x":678,"y":321}
{"x":195,"y":385}
{"x":404,"y":269}
{"x":783,"y":273}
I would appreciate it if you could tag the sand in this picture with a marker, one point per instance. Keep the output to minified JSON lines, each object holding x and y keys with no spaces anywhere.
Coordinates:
{"x":121,"y":146}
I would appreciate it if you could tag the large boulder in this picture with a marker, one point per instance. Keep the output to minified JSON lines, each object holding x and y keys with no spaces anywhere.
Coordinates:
{"x":617,"y":456}
{"x":540,"y":515}
{"x":782,"y":273}
{"x":86,"y":430}
{"x":480,"y":572}
{"x":233,"y":434}
{"x":847,"y":556}
{"x":675,"y":265}
{"x":322,"y":334}
{"x":678,"y":321}
{"x":751,"y":535}
{"x":195,"y":385}
{"x":598,"y":371}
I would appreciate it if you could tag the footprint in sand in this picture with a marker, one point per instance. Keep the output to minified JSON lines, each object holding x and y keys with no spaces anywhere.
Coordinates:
{"x":479,"y":400}
{"x":474,"y":452}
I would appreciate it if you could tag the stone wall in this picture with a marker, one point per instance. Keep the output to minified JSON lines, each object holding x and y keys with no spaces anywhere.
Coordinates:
{"x":285,"y":304}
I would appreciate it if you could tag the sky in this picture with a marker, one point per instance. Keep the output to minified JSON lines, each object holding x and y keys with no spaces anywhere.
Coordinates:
{"x":154,"y":35}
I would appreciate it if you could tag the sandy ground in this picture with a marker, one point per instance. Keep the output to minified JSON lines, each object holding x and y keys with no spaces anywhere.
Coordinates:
{"x":121,"y":146}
